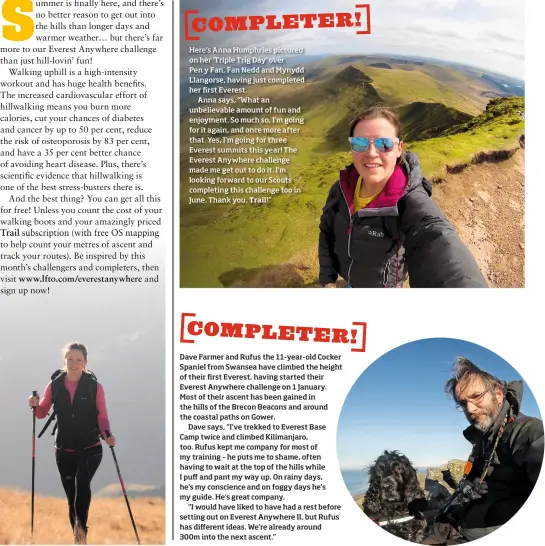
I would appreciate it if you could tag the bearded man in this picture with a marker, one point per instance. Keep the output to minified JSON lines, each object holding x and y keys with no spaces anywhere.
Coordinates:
{"x":505,"y":460}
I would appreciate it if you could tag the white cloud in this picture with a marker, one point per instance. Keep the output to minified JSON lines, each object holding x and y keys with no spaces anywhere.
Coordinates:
{"x":129,"y":339}
{"x":513,"y":4}
{"x":426,"y":4}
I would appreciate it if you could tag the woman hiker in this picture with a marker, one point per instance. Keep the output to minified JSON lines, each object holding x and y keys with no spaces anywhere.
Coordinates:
{"x":80,"y":407}
{"x":379,"y":223}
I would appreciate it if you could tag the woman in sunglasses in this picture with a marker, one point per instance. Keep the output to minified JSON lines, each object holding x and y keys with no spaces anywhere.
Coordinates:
{"x":380,"y":225}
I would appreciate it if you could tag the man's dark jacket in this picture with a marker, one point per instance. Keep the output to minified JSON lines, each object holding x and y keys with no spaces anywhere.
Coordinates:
{"x":514,"y":468}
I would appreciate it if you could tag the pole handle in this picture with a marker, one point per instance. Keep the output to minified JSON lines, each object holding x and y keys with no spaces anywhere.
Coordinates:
{"x":34,"y":393}
{"x":108,"y":434}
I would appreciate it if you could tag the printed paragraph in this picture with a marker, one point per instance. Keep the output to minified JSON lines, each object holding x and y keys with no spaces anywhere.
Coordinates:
{"x":78,"y":196}
{"x":249,"y":444}
{"x":237,"y":133}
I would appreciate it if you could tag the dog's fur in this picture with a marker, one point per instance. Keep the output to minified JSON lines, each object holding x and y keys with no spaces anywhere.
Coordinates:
{"x":394,"y":492}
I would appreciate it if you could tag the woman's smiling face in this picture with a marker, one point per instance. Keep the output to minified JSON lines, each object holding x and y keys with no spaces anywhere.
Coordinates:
{"x":75,"y":361}
{"x":376,"y":167}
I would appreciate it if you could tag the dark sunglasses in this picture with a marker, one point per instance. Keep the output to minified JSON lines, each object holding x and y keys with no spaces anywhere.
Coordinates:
{"x":382,"y":144}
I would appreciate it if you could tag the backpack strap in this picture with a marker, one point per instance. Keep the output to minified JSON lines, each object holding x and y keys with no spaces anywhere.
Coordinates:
{"x":93,"y":388}
{"x":54,"y":391}
{"x":54,"y":382}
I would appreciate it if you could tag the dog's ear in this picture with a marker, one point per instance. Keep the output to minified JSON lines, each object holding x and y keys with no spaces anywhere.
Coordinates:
{"x":413,"y":491}
{"x":372,"y":503}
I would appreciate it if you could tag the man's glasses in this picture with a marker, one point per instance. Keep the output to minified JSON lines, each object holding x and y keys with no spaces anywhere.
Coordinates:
{"x":475,"y":399}
{"x":382,"y":144}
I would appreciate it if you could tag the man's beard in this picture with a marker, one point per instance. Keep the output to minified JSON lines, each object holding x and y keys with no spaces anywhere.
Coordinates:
{"x":484,"y":423}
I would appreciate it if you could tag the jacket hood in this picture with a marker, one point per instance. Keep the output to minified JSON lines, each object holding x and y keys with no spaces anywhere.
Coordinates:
{"x":514,"y":395}
{"x":414,"y":170}
{"x":511,"y":404}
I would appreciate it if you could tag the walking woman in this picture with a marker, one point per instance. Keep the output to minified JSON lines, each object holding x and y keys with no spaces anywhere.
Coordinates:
{"x":80,"y":407}
{"x":379,"y":223}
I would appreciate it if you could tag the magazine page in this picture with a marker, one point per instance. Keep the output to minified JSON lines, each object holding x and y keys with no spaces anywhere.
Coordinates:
{"x":85,"y":224}
{"x":157,"y":157}
{"x":354,"y":146}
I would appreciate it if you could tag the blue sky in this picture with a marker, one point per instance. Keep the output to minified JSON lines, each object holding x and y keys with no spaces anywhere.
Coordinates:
{"x":481,"y":33}
{"x":399,"y":403}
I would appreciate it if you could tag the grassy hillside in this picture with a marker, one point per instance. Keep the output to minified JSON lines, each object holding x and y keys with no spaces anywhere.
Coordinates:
{"x":398,"y":87}
{"x":363,"y":95}
{"x":404,"y":82}
{"x":423,"y":120}
{"x":109,"y":521}
{"x":497,"y":128}
{"x":381,"y":65}
{"x":329,"y":106}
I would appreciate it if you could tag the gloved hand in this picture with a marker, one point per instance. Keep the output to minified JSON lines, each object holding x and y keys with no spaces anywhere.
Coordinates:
{"x":443,"y":517}
{"x":473,"y":491}
{"x":451,"y":516}
{"x":470,"y":492}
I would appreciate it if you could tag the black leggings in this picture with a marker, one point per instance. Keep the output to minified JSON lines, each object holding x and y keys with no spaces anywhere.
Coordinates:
{"x":77,"y":470}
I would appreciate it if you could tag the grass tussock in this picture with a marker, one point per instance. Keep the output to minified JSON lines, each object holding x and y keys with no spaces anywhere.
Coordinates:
{"x":109,"y":520}
{"x":493,"y":156}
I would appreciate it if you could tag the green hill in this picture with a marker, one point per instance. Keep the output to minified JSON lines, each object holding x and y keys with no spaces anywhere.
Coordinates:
{"x":330,"y":105}
{"x":497,"y":128}
{"x":499,"y":111}
{"x":427,"y":120}
{"x":410,"y":81}
{"x":381,"y":65}
{"x":363,"y":96}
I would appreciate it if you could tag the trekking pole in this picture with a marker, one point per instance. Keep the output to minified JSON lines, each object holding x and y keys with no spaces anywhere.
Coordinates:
{"x":34,"y":393}
{"x":123,"y":488}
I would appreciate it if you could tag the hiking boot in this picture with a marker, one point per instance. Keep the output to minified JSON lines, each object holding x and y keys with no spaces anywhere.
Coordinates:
{"x":80,"y":534}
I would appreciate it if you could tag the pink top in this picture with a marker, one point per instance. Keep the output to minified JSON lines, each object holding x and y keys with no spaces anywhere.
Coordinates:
{"x":102,"y":415}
